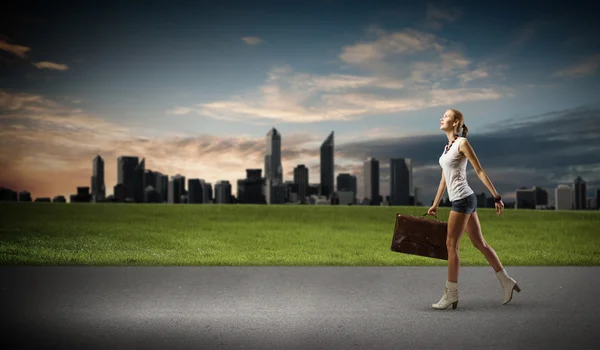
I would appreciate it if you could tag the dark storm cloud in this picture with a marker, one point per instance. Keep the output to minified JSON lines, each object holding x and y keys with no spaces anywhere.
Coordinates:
{"x":541,"y":150}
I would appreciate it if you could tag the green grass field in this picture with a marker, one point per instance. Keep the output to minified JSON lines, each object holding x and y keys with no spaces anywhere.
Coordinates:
{"x":130,"y":234}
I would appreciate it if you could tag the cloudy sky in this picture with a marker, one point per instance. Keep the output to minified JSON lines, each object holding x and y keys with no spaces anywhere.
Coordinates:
{"x":195,"y":88}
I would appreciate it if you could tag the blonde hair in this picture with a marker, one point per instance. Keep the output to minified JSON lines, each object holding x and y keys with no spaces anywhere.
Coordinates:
{"x":458,"y":116}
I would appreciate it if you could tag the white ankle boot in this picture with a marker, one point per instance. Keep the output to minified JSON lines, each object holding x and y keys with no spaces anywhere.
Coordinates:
{"x":508,"y":285}
{"x":450,"y":297}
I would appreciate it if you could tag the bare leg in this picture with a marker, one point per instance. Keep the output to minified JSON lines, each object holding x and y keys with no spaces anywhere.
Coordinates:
{"x":476,"y":236}
{"x":457,"y":223}
{"x":508,"y":284}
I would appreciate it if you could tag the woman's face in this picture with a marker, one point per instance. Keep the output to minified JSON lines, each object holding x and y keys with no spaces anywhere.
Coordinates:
{"x":447,"y":121}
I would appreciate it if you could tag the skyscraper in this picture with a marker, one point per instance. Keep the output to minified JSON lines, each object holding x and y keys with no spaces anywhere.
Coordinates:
{"x":346,"y":182}
{"x":541,"y":196}
{"x":176,"y":189}
{"x":301,"y":179}
{"x":126,"y":171}
{"x":98,"y":186}
{"x":162,"y":186}
{"x":195,"y":191}
{"x":139,"y":171}
{"x":208,"y":191}
{"x":400,"y":181}
{"x":250,"y":188}
{"x":327,"y":166}
{"x":223,"y":192}
{"x":371,"y":181}
{"x":253,"y":174}
{"x":580,"y":192}
{"x":273,"y":169}
{"x":563,"y":197}
{"x":150,"y":178}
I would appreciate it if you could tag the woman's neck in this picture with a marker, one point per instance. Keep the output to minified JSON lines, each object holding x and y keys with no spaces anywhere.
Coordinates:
{"x":451,"y":135}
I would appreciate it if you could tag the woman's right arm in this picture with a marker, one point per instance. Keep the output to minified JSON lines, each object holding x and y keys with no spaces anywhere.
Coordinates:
{"x":440,"y":191}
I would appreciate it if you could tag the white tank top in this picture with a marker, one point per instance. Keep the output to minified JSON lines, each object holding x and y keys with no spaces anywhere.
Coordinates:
{"x":454,"y":165}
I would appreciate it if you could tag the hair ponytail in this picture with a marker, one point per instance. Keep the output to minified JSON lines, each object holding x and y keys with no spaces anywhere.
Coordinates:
{"x":458,"y":117}
{"x":465,"y":130}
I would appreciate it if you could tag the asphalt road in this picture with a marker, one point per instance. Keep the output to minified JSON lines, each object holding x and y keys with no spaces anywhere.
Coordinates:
{"x":295,"y":308}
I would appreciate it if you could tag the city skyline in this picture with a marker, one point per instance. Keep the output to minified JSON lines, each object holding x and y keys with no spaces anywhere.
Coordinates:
{"x":153,"y":188}
{"x":378,"y":75}
{"x":131,"y":170}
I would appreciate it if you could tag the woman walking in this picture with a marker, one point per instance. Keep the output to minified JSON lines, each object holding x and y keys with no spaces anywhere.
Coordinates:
{"x":463,"y":215}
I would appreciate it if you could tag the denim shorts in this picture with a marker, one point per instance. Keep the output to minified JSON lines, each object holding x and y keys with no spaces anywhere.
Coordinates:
{"x":466,"y":205}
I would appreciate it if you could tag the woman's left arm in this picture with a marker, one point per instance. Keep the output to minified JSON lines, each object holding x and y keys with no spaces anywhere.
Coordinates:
{"x":465,"y":148}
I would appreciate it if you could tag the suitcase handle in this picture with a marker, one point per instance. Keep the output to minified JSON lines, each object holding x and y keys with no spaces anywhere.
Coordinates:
{"x":435,"y":216}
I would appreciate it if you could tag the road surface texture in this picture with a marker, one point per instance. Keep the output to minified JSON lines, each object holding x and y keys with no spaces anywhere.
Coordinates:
{"x":82,"y":307}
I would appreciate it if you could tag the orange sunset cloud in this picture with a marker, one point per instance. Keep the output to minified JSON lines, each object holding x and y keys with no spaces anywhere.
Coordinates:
{"x":47,"y":149}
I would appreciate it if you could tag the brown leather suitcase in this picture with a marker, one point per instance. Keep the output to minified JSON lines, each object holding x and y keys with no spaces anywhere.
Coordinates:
{"x":420,"y":236}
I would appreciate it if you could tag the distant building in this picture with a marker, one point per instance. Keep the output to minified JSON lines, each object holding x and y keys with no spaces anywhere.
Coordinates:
{"x":119,"y":193}
{"x":273,"y":167}
{"x":563,"y":197}
{"x":327,"y":166}
{"x":83,"y":195}
{"x":371,"y":181}
{"x":346,"y":197}
{"x":241,"y":191}
{"x":334,"y":198}
{"x":418,"y":197}
{"x":293,"y":198}
{"x":223,"y":192}
{"x":525,"y":199}
{"x":313,"y":190}
{"x":151,"y":195}
{"x":208,"y":192}
{"x":176,"y":189}
{"x":195,"y":191}
{"x":150,"y":179}
{"x":580,"y":193}
{"x":253,"y":174}
{"x":400,"y":181}
{"x":291,"y":192}
{"x":250,"y":188}
{"x":126,"y":175}
{"x":541,"y":196}
{"x":276,"y":193}
{"x":8,"y":195}
{"x":346,"y":183}
{"x":139,"y":172}
{"x":301,"y":179}
{"x":24,"y":196}
{"x":59,"y":199}
{"x":162,"y":186}
{"x":534,"y":198}
{"x":98,"y":185}
{"x":318,"y":200}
